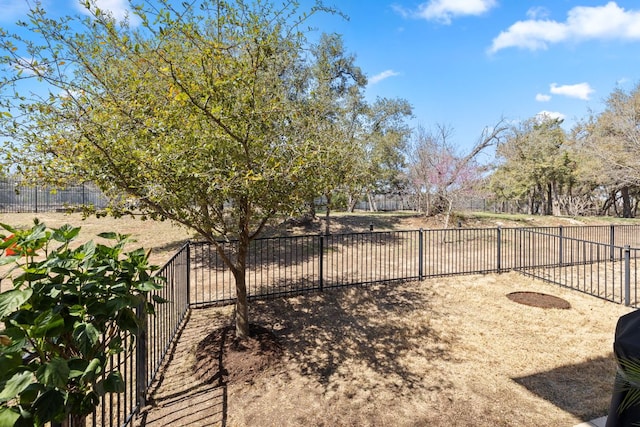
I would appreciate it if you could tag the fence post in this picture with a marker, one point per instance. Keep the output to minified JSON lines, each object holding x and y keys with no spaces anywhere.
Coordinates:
{"x":627,"y":275}
{"x":189,"y":273}
{"x":499,"y":249}
{"x":420,"y":254}
{"x":612,"y":237}
{"x":141,"y":360}
{"x":560,"y":250}
{"x":518,"y":262}
{"x":321,"y":267}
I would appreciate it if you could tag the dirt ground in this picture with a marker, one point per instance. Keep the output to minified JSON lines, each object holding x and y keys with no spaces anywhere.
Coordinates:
{"x":453,"y":351}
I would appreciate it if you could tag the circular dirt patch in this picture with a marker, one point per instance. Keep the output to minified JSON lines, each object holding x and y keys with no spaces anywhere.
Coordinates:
{"x":536,"y":299}
{"x":221,"y":357}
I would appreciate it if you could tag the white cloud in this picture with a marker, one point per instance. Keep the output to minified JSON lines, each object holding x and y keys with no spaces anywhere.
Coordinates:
{"x":119,"y":9}
{"x":537,"y":12}
{"x":580,"y":90}
{"x":445,"y":10}
{"x":541,"y":97}
{"x":549,"y":115}
{"x":583,"y":23}
{"x":381,"y":76}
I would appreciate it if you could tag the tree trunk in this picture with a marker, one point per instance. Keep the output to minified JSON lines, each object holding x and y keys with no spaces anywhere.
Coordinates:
{"x":448,"y":216}
{"x":326,"y":216}
{"x":372,"y":202}
{"x":548,"y":208}
{"x":75,"y":421}
{"x":606,"y":206}
{"x":626,"y":202}
{"x":242,"y":307}
{"x":427,"y":208}
{"x":311,"y":212}
{"x":556,"y":205}
{"x":351,"y":203}
{"x":239,"y":273}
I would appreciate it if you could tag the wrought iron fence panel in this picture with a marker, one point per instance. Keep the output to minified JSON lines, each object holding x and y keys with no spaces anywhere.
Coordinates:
{"x":461,"y":251}
{"x":16,"y":197}
{"x":364,"y":258}
{"x":599,"y":269}
{"x":283,"y":266}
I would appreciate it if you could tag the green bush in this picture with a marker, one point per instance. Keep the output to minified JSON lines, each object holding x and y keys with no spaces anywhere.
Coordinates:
{"x":69,"y":309}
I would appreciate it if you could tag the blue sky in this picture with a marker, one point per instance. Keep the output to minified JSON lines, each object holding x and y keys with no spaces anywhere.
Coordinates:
{"x":466,"y":64}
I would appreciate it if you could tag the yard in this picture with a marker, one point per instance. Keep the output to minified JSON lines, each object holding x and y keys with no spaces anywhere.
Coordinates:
{"x":449,"y":351}
{"x":443,"y":352}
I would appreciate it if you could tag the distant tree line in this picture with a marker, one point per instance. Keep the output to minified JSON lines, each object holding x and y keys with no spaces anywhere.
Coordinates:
{"x":593,"y":169}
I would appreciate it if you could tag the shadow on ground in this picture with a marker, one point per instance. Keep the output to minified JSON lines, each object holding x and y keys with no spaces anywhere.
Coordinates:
{"x":339,"y":223}
{"x":178,"y":397}
{"x":375,"y":328}
{"x":586,"y":395}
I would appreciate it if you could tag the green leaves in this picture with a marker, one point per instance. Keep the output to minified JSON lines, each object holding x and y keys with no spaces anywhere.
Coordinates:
{"x":92,"y":371}
{"x":47,"y":324}
{"x":113,"y":383}
{"x":48,"y":406}
{"x":55,"y":373}
{"x":14,"y":385}
{"x":86,"y":337}
{"x":12,"y":299}
{"x":70,"y":309}
{"x":8,"y":416}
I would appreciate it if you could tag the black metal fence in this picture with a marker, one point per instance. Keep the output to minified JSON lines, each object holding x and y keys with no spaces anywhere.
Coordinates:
{"x":596,"y":260}
{"x":283,"y":266}
{"x":602,"y":270}
{"x":17,"y":198}
{"x":141,"y":365}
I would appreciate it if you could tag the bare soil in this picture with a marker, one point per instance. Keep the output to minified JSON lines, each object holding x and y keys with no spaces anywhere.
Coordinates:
{"x":537,"y":299}
{"x":221,"y":357}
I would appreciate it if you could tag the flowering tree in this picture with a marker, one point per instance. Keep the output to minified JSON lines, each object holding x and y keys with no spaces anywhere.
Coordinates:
{"x":440,"y":175}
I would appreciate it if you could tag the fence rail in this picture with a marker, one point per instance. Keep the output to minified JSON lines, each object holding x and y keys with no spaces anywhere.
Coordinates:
{"x":16,"y":197}
{"x":291,"y":265}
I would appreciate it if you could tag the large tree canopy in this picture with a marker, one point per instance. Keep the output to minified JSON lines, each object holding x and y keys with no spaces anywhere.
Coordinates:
{"x":202,"y":114}
{"x":610,"y":140}
{"x":535,"y":165}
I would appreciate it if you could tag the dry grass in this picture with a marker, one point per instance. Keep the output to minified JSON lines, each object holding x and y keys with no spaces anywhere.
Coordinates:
{"x":162,"y":237}
{"x":443,"y":352}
